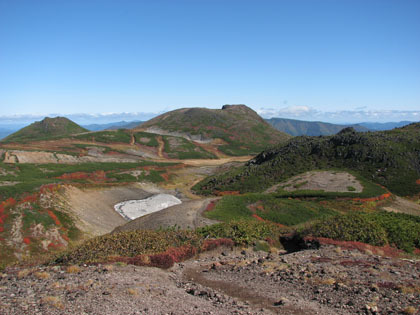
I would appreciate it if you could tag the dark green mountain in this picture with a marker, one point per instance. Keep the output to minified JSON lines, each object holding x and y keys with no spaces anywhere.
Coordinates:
{"x":390,"y":158}
{"x":309,"y":128}
{"x":48,"y":128}
{"x":241,"y":129}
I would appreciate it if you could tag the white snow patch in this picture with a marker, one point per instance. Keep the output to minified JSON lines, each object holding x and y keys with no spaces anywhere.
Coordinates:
{"x":133,"y":209}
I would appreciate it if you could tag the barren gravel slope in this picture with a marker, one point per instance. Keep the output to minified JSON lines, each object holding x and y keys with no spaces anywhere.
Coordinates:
{"x":187,"y":215}
{"x":325,"y":281}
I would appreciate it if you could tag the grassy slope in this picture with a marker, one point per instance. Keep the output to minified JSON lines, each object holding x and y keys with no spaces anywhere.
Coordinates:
{"x":48,"y":128}
{"x":24,"y":199}
{"x":240,"y":127}
{"x":32,"y":176}
{"x":376,"y":228}
{"x":268,"y":207}
{"x":180,"y":148}
{"x":390,"y":158}
{"x":120,"y":135}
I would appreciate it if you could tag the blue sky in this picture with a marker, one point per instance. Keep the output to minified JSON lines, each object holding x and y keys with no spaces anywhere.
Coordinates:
{"x":336,"y":60}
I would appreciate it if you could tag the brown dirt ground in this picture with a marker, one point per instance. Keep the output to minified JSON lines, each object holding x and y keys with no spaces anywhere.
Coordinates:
{"x":403,"y":206}
{"x":93,"y":208}
{"x":188,"y":215}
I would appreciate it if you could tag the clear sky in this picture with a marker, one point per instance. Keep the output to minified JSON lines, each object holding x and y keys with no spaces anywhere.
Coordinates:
{"x":332,"y":60}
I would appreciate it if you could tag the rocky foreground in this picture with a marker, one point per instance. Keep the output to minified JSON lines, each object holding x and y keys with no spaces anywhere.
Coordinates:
{"x":329,"y":280}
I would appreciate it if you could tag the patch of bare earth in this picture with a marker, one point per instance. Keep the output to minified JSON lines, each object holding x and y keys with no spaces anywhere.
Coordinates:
{"x":402,"y":205}
{"x":188,"y":215}
{"x":42,"y":157}
{"x":8,"y":183}
{"x":161,"y":146}
{"x":93,"y":208}
{"x":4,"y":172}
{"x":321,"y":180}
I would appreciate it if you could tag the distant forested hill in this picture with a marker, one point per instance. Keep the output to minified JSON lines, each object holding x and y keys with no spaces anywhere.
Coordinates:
{"x":309,"y":128}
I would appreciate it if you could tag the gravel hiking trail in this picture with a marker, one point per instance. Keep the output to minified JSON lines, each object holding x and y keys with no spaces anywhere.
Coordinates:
{"x":132,"y":139}
{"x":328,"y":280}
{"x":161,"y":146}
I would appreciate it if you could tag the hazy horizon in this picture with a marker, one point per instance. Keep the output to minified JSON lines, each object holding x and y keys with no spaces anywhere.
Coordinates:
{"x":305,"y":115}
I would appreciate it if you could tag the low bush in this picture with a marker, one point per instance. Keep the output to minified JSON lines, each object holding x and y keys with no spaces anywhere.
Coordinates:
{"x":241,"y":232}
{"x":129,"y":244}
{"x":270,"y":207}
{"x":375,"y":228}
{"x":351,"y":227}
{"x":161,"y":248}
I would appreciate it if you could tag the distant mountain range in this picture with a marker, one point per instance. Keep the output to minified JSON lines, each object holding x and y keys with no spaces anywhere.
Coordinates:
{"x":309,"y":128}
{"x":113,"y":125}
{"x":290,"y":126}
{"x":385,"y":126}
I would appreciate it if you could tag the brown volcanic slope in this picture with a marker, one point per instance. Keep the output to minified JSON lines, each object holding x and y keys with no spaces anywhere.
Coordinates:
{"x":238,"y":128}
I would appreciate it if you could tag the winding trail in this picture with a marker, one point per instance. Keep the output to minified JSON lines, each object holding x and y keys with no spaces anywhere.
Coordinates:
{"x":133,"y":139}
{"x":161,"y":146}
{"x":212,"y":149}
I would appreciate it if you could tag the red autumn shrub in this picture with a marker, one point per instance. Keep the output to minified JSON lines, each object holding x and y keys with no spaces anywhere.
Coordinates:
{"x":54,"y":217}
{"x":163,"y":261}
{"x":30,"y":198}
{"x":98,"y":175}
{"x":181,"y":253}
{"x":75,"y":175}
{"x":228,"y":193}
{"x":212,"y":244}
{"x":55,"y":245}
{"x":263,"y":220}
{"x":10,"y":202}
{"x":381,"y":197}
{"x":270,"y":241}
{"x":257,"y":217}
{"x":385,"y":250}
{"x":211,"y":205}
